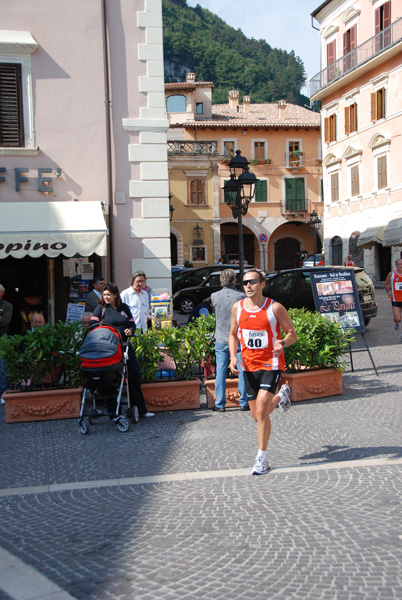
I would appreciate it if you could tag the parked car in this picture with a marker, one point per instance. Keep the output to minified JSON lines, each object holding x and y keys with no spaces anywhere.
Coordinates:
{"x":178,"y":269}
{"x":292,"y":288}
{"x":194,"y":277}
{"x":309,"y":261}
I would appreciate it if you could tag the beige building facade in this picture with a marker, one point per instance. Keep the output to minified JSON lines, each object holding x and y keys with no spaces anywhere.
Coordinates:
{"x":359,"y":87}
{"x":281,"y":141}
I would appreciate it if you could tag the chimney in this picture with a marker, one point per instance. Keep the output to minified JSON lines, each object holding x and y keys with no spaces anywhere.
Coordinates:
{"x":282,"y":109}
{"x":246,"y":104}
{"x":233,"y":99}
{"x":190,"y":77}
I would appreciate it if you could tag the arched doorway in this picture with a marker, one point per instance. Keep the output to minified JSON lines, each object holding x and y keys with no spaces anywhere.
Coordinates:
{"x":173,"y":248}
{"x":286,"y":253}
{"x":336,"y":250}
{"x":230,"y":243}
{"x":356,"y":252}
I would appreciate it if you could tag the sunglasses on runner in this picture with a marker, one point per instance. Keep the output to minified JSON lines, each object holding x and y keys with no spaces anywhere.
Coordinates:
{"x":250,"y":281}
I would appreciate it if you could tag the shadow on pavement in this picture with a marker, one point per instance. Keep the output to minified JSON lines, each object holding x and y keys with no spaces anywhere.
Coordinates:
{"x":345,"y":453}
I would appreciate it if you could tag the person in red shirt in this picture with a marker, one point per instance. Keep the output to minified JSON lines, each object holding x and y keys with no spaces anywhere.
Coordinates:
{"x":257,"y":322}
{"x":349,"y":262}
{"x":393,"y":287}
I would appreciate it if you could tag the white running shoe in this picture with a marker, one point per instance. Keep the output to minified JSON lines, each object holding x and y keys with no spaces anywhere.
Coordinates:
{"x":284,"y":402}
{"x":148,"y":415}
{"x":261,"y":466}
{"x":396,"y":326}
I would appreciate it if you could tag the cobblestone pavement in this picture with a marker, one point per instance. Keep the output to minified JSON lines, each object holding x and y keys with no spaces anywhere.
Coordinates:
{"x":170,"y":511}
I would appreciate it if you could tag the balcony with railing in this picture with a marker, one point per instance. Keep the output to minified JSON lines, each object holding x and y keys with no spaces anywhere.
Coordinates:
{"x":379,"y":43}
{"x":295,"y":158}
{"x":294,"y":206}
{"x":192,"y":147}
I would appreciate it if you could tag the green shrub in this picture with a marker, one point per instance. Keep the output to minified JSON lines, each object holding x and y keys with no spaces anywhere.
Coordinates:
{"x":321,"y":343}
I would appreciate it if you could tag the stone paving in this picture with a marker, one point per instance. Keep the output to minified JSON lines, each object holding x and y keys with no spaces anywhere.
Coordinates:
{"x":170,"y":511}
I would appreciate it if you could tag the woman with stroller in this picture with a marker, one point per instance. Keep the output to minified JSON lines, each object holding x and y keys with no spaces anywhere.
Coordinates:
{"x":112,"y":311}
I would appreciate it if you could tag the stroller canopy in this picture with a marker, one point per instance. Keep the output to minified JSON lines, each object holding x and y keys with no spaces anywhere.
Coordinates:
{"x":102,"y":347}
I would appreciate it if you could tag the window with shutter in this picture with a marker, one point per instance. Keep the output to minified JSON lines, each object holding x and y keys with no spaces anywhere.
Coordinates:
{"x":378,"y":105}
{"x":196,"y":192}
{"x":330,"y":129}
{"x":355,"y":184}
{"x":259,"y":150}
{"x":229,"y":149}
{"x":382,"y":172}
{"x":335,"y":187}
{"x":349,"y":44}
{"x":350,"y":118}
{"x":261,"y":191}
{"x":294,"y":194}
{"x":382,"y":22}
{"x":331,"y":57}
{"x":11,"y":114}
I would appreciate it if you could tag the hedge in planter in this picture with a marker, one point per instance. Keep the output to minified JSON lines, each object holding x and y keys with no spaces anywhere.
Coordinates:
{"x":45,"y":360}
{"x":314,"y":364}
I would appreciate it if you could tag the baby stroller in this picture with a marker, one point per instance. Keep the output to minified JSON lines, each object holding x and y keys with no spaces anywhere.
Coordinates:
{"x":104,"y":367}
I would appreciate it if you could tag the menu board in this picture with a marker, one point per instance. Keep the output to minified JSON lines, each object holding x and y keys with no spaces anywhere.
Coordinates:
{"x":336,"y":297}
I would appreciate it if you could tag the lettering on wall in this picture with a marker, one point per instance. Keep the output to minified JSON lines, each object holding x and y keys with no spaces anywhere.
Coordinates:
{"x":41,"y":179}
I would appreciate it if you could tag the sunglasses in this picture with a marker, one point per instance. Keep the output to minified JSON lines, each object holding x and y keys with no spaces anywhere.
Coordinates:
{"x":250,"y":281}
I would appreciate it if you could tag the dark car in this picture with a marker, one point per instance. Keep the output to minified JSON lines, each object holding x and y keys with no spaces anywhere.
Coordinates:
{"x":292,"y":288}
{"x":195,"y":277}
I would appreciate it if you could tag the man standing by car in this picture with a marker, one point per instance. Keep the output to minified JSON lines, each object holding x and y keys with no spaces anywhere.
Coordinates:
{"x":257,"y":321}
{"x":393,"y":287}
{"x":138,"y":301}
{"x":222,"y":302}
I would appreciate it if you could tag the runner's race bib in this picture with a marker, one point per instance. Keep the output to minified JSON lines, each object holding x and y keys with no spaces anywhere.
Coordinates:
{"x":255,"y":339}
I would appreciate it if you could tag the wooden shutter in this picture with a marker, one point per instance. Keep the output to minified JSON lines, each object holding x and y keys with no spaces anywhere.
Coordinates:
{"x":347,"y":120}
{"x":326,"y":130}
{"x":261,"y":191}
{"x":386,"y":15}
{"x":352,"y":37}
{"x":354,"y":173}
{"x":377,"y":20}
{"x":11,"y":121}
{"x":382,"y":172}
{"x":334,"y":187}
{"x":374,"y":106}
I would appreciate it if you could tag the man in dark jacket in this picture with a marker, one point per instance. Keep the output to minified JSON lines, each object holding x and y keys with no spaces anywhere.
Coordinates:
{"x":93,"y":298}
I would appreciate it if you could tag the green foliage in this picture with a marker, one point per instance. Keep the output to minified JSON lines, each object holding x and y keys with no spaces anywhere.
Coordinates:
{"x":321,"y":343}
{"x":196,"y":40}
{"x":187,"y":346}
{"x":44,"y":357}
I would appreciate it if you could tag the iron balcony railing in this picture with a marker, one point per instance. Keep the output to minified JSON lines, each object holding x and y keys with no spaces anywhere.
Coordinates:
{"x":373,"y":47}
{"x":295,"y":206}
{"x":192,"y":147}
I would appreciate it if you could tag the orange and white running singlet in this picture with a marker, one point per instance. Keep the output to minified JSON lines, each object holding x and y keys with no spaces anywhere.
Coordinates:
{"x":396,"y":287}
{"x":258,"y":332}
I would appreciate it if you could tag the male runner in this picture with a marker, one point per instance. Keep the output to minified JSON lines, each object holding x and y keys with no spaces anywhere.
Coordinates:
{"x":393,"y":287}
{"x":257,"y":321}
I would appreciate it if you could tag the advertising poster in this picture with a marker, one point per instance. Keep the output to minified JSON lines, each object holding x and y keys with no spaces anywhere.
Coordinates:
{"x":336,"y":297}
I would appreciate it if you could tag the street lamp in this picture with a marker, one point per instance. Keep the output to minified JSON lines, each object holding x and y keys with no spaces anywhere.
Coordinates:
{"x":238,"y":192}
{"x":314,"y":222}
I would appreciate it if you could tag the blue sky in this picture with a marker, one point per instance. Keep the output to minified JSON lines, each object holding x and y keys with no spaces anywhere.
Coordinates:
{"x":285,"y":24}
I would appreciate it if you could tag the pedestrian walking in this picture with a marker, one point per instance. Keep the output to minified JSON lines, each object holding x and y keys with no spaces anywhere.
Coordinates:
{"x":257,"y":321}
{"x":349,"y":262}
{"x":222,"y":302}
{"x":393,"y":287}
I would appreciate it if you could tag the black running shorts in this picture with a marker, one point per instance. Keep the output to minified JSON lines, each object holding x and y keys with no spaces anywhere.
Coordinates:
{"x":265,"y":380}
{"x":398,"y":304}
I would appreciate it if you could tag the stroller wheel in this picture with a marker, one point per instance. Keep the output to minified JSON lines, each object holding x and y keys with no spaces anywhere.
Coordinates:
{"x":134,"y":413}
{"x":122,"y":424}
{"x":84,"y":426}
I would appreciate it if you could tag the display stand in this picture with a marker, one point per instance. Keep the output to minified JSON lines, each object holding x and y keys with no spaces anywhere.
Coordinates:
{"x":161,"y":310}
{"x":366,"y":349}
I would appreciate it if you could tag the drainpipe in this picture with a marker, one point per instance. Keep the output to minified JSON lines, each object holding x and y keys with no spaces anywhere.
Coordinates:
{"x":108,"y":138}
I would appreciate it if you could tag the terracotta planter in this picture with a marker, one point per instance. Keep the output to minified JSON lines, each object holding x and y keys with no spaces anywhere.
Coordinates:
{"x":232,"y":394}
{"x":172,"y":395}
{"x":42,"y":405}
{"x":307,"y":385}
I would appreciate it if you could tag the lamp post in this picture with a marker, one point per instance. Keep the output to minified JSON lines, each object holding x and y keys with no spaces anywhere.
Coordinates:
{"x":238,"y":193}
{"x":314,"y":222}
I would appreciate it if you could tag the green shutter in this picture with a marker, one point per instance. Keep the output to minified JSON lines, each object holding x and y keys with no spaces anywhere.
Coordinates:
{"x":261,"y":191}
{"x":294,"y":194}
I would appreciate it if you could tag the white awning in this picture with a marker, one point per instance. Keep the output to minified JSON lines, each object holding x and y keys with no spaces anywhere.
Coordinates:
{"x":393,"y":233}
{"x":52,"y":228}
{"x":371,"y":235}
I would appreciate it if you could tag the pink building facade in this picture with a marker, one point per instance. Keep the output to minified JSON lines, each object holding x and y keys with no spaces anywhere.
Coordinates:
{"x":359,"y":88}
{"x":83,"y":159}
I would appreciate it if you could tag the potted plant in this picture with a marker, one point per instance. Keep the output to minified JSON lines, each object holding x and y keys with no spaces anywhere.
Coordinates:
{"x":314,"y":364}
{"x":178,"y":350}
{"x":44,"y":369}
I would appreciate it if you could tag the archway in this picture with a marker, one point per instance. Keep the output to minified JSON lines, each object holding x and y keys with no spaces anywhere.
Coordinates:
{"x":336,"y":250}
{"x":287,"y":253}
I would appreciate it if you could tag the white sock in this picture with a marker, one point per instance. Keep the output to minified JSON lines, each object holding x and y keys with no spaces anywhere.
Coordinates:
{"x":262,"y":454}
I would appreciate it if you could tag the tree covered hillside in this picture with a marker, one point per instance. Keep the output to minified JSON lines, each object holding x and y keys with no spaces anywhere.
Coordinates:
{"x":197,"y":40}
